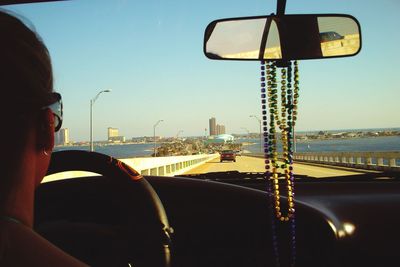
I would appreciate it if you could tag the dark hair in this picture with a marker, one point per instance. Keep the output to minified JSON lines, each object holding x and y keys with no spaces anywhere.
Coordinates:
{"x":26,"y":84}
{"x":25,"y":67}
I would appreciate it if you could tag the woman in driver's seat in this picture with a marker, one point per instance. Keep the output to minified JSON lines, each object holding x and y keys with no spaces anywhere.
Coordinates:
{"x":30,"y":112}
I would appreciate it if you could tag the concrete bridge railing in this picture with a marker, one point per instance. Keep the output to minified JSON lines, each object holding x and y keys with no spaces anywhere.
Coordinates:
{"x":159,"y":166}
{"x":168,"y":166}
{"x":380,"y":161}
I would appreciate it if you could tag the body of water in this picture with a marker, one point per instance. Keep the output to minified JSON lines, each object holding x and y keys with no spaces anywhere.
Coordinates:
{"x":386,"y":143}
{"x":389,"y":143}
{"x":365,"y":130}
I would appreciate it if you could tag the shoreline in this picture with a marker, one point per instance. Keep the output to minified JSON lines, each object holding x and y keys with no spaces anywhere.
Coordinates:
{"x":304,"y":141}
{"x":245,"y":143}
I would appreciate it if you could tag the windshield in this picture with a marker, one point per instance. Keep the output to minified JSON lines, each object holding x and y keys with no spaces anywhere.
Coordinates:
{"x":136,"y":85}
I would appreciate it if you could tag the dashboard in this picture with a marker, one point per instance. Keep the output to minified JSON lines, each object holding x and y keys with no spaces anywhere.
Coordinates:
{"x":222,"y":224}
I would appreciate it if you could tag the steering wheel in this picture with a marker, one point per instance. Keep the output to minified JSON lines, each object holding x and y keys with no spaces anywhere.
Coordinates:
{"x":118,"y":213}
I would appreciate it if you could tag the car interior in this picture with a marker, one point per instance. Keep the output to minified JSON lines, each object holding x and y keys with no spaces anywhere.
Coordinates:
{"x":123,"y":218}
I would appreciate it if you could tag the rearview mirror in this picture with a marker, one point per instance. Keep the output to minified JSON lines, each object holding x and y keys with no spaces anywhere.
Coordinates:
{"x":287,"y":37}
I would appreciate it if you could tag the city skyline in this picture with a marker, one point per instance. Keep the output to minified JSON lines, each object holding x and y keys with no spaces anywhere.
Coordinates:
{"x":255,"y":134}
{"x":215,"y":128}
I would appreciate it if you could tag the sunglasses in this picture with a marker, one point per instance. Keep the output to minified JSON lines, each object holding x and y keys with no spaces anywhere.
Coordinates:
{"x":57,"y":109}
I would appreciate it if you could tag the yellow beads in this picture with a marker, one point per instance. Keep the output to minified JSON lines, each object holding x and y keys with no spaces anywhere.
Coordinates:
{"x":285,"y":119}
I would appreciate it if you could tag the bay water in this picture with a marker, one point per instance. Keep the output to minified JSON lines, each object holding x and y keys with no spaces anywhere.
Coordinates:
{"x":386,"y":143}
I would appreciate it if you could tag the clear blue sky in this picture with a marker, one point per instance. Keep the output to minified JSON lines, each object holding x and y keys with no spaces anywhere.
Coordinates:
{"x":149,"y":53}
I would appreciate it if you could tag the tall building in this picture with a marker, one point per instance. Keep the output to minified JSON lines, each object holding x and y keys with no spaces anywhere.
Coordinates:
{"x":112,"y":132}
{"x":62,"y":137}
{"x":220,"y":129}
{"x":213,"y":126}
{"x":113,"y":135}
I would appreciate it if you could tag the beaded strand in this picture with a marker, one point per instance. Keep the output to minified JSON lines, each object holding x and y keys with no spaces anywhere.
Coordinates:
{"x":285,"y":120}
{"x":267,"y":173}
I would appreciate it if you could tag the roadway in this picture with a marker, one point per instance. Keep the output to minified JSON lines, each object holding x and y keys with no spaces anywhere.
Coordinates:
{"x":252,"y":164}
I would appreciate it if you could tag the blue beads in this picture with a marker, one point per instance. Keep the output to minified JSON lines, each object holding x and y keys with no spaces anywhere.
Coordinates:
{"x":270,"y":107}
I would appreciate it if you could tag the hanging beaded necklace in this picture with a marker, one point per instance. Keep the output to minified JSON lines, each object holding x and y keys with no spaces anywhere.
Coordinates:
{"x":285,"y":122}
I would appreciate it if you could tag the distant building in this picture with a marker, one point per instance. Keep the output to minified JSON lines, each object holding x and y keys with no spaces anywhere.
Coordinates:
{"x":213,"y":126}
{"x":220,"y":129}
{"x":138,"y":139}
{"x":216,"y":129}
{"x":116,"y":139}
{"x":62,"y":137}
{"x":113,"y":135}
{"x":112,"y":132}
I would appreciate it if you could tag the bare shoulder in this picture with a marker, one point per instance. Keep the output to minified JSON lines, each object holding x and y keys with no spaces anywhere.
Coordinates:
{"x":21,"y":246}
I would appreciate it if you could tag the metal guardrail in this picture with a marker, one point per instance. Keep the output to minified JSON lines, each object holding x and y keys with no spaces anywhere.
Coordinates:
{"x":380,"y":161}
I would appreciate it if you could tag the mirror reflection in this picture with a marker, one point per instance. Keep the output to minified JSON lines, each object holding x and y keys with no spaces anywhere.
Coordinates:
{"x":339,"y":36}
{"x":288,"y":37}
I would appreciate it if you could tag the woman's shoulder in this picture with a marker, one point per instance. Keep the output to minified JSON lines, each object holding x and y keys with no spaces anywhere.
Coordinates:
{"x":21,"y":246}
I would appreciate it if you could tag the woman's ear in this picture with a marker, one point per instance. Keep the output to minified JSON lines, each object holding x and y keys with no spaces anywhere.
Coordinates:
{"x":45,"y":134}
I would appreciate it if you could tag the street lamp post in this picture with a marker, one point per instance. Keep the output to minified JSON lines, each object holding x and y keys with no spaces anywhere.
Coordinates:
{"x":154,"y":137}
{"x":261,"y":137}
{"x":91,"y":116}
